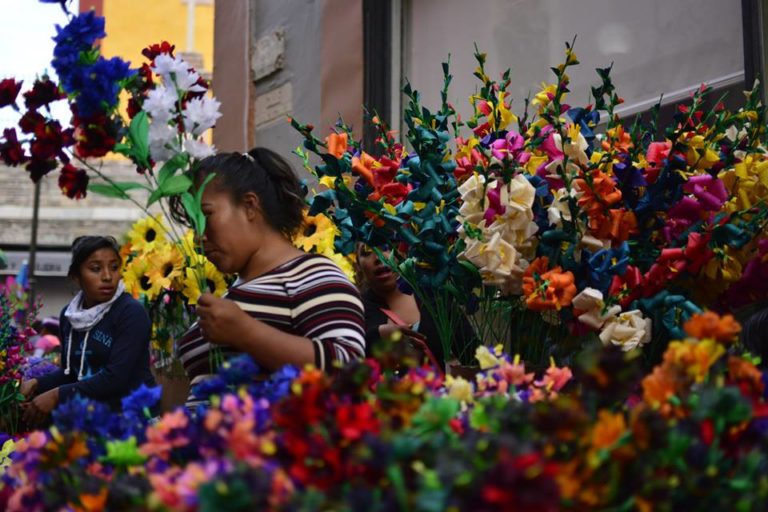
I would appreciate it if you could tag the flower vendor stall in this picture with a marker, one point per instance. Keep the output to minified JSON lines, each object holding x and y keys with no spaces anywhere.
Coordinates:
{"x":601,"y":263}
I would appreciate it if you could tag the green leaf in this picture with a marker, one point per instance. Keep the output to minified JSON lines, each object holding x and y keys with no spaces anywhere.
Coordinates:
{"x":199,"y":201}
{"x":117,"y":189}
{"x":188,"y":201}
{"x":174,"y":185}
{"x":169,"y":168}
{"x":138,"y":134}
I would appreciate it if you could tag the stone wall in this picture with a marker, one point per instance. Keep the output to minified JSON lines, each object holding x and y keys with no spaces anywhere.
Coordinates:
{"x":62,"y":219}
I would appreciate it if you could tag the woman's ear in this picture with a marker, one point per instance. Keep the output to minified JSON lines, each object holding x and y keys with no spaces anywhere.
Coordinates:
{"x":252,"y":205}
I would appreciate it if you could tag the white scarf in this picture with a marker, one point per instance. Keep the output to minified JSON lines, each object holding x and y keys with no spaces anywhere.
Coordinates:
{"x":84,"y":319}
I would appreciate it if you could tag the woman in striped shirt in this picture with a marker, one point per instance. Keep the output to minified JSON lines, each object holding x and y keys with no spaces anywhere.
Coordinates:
{"x":287,"y":306}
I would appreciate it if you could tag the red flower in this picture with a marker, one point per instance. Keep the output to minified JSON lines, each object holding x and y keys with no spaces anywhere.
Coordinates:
{"x":43,"y":92}
{"x":31,"y":121}
{"x":11,"y":150}
{"x":94,"y":136}
{"x":38,"y":168}
{"x":153,"y":50}
{"x":50,"y":140}
{"x":354,"y":420}
{"x":9,"y":89}
{"x":73,"y":182}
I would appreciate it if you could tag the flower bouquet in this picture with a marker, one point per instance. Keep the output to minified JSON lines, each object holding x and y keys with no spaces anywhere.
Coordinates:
{"x":560,"y":230}
{"x":163,"y":132}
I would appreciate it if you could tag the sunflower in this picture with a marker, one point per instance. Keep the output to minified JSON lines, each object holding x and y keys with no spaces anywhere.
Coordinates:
{"x":137,"y":282}
{"x":166,"y":263}
{"x":188,"y":245}
{"x":317,"y":235}
{"x":146,"y":233}
{"x":214,"y":280}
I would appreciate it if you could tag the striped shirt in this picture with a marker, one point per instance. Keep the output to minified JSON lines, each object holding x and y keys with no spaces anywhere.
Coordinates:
{"x":308,"y":296}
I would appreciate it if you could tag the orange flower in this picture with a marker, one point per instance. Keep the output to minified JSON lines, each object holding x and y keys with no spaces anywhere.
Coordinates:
{"x":694,"y":358}
{"x":710,"y":325}
{"x":608,"y":430}
{"x":93,"y":502}
{"x":741,"y":370}
{"x":553,"y":289}
{"x":618,"y":139}
{"x":618,"y":225}
{"x":337,"y":144}
{"x":658,"y":388}
{"x":600,"y":194}
{"x":364,"y":167}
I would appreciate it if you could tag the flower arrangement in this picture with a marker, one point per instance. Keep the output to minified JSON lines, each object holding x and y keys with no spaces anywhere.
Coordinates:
{"x":562,"y":234}
{"x":14,"y":336}
{"x":691,"y":432}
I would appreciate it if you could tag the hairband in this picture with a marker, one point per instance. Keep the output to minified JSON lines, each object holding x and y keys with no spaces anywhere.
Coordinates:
{"x":249,"y":157}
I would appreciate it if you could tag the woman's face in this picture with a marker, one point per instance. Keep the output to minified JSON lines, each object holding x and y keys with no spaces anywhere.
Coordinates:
{"x":98,"y":276}
{"x":227,"y":231}
{"x":376,"y":274}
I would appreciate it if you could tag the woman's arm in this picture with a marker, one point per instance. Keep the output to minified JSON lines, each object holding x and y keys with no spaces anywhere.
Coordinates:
{"x":329,"y":317}
{"x":222,"y":322}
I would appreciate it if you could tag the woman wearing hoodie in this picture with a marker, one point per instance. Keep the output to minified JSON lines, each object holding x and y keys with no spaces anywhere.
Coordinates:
{"x":104,"y":333}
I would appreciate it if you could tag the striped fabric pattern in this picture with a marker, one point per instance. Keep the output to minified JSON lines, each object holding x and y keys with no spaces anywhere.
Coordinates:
{"x":308,"y":296}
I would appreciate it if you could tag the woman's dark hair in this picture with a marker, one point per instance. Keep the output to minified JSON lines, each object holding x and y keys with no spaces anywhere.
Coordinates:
{"x":754,"y":335}
{"x":84,"y":246}
{"x":263,"y":172}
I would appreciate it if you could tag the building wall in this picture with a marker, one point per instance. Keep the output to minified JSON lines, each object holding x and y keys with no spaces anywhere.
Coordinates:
{"x":132,"y":25}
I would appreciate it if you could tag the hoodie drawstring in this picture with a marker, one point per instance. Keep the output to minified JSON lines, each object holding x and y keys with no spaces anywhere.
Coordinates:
{"x":67,"y":370}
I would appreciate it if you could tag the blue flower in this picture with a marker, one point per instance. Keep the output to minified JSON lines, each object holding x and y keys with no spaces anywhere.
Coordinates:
{"x":99,"y":85}
{"x":142,"y":398}
{"x":84,"y":415}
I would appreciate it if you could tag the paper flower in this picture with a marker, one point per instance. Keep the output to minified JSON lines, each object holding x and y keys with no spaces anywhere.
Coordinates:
{"x":628,"y":330}
{"x":592,"y":309}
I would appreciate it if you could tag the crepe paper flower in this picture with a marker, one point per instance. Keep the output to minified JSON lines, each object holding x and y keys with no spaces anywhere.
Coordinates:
{"x":597,"y":192}
{"x":215,"y":282}
{"x":694,"y":358}
{"x":609,"y":430}
{"x":459,"y":389}
{"x":699,"y":155}
{"x":510,"y":148}
{"x":317,"y":235}
{"x":551,"y":289}
{"x":337,"y":144}
{"x":11,"y":150}
{"x":486,"y":358}
{"x":659,"y":390}
{"x":724,"y":329}
{"x":590,"y":308}
{"x":136,"y":280}
{"x":628,"y":330}
{"x":147,"y":233}
{"x":551,"y":384}
{"x":543,"y":98}
{"x":5,"y":451}
{"x":9,"y":90}
{"x":560,"y":210}
{"x":201,"y":114}
{"x":747,"y":182}
{"x":656,"y":157}
{"x":617,"y":139}
{"x":709,"y":191}
{"x":73,"y":182}
{"x":606,"y":263}
{"x":495,"y":259}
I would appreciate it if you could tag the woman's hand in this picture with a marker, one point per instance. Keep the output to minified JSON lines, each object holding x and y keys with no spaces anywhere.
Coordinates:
{"x":220,"y":320}
{"x":41,"y":406}
{"x":28,"y":388}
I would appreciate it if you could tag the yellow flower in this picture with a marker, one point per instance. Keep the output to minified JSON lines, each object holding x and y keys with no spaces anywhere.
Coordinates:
{"x":214,"y":280}
{"x":146,"y":233}
{"x":486,"y":358}
{"x":318,"y":234}
{"x":459,"y":388}
{"x":137,"y":281}
{"x":544,"y":97}
{"x":166,"y":263}
{"x":5,"y":451}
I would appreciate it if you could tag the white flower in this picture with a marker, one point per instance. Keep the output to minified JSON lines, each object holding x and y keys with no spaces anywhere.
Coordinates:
{"x":494,"y":259}
{"x":576,"y":147}
{"x":198,"y":149}
{"x":559,"y":210}
{"x":472,"y":189}
{"x":163,"y":142}
{"x":201,"y":114}
{"x":591,"y":302}
{"x":628,"y":330}
{"x":187,"y":81}
{"x":165,"y":66}
{"x":160,"y":103}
